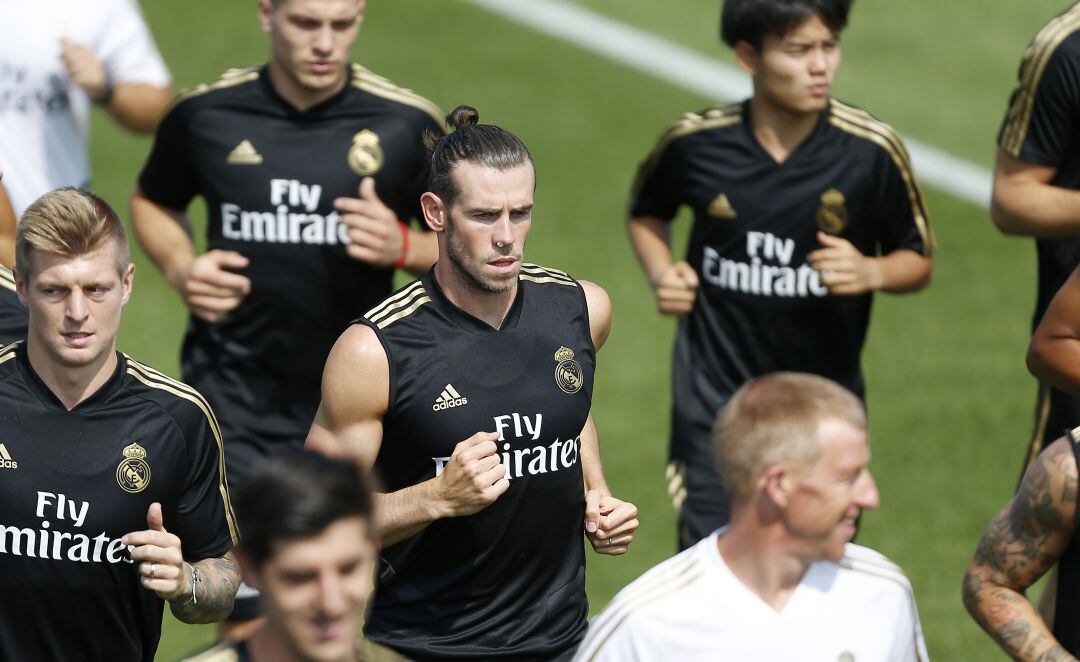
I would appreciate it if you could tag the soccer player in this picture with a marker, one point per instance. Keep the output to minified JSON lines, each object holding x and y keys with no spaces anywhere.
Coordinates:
{"x":113,"y":496}
{"x":309,"y":547}
{"x":1032,"y":533}
{"x":782,"y":582}
{"x":56,"y":59}
{"x":13,"y":315}
{"x":803,"y":207}
{"x":1037,"y":194}
{"x":280,"y":154}
{"x":469,"y":391}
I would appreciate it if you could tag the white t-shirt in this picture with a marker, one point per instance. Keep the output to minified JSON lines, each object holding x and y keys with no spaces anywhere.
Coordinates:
{"x":692,"y":607}
{"x":44,"y":118}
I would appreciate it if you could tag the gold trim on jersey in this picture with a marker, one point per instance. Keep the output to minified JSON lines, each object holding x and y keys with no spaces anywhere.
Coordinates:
{"x":230,"y":78}
{"x":534,"y":273}
{"x":714,"y":118}
{"x":1042,"y":418}
{"x":394,"y":298}
{"x":8,"y":352}
{"x":155,"y":379}
{"x":369,"y":81}
{"x":7,"y":278}
{"x":405,"y":312}
{"x":885,"y":570}
{"x":863,"y":125}
{"x":1032,"y":67}
{"x":656,"y":591}
{"x":676,"y":483}
{"x":401,"y":305}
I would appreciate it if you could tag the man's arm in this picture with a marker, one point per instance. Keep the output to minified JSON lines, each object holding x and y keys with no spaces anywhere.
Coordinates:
{"x":1022,"y":542}
{"x":7,"y":228}
{"x":355,"y":391}
{"x":674,"y":283}
{"x":845,"y":270}
{"x":379,"y":238}
{"x":1026,"y":203}
{"x":1054,"y":353}
{"x":136,"y":106}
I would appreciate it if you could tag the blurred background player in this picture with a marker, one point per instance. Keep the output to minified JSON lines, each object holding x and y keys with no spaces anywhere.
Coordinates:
{"x":1036,"y":182}
{"x":309,"y":547}
{"x":783,"y":581}
{"x":279,"y":154}
{"x":803,"y":207}
{"x":1032,"y":533}
{"x":57,"y":58}
{"x":113,"y":496}
{"x":470,"y":393}
{"x":13,"y":315}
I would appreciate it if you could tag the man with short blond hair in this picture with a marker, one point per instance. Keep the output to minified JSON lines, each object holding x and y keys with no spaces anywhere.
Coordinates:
{"x":782,"y":581}
{"x":99,"y":455}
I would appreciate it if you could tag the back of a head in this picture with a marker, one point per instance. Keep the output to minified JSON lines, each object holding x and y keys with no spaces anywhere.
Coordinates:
{"x":68,"y":222}
{"x":751,"y":20}
{"x":470,"y":141}
{"x":774,"y":419}
{"x":296,"y":497}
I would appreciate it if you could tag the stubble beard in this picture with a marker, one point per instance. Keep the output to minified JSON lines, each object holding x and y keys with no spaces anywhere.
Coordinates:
{"x":456,"y":253}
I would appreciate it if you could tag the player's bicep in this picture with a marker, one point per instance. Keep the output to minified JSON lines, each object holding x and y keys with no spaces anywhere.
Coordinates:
{"x":355,"y":396}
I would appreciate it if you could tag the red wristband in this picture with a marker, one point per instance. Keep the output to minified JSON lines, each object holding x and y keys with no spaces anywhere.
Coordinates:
{"x":404,"y":244}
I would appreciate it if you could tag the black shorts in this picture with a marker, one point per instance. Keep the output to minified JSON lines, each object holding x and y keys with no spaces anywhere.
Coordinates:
{"x":696,"y":489}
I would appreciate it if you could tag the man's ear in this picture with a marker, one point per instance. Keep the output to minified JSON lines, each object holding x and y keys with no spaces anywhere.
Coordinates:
{"x":748,"y":57}
{"x":776,"y":484}
{"x":435,"y":212}
{"x":20,"y":285}
{"x":264,"y":15}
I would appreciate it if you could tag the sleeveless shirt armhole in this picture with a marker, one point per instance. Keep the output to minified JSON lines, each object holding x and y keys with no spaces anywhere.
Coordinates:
{"x":585,"y":307}
{"x":391,"y":377}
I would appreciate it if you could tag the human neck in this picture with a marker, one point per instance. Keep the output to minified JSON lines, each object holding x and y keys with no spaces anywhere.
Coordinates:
{"x":489,"y":307}
{"x":269,"y":645}
{"x":295,"y":94}
{"x":758,"y":556}
{"x":777,"y":130}
{"x":71,"y":385}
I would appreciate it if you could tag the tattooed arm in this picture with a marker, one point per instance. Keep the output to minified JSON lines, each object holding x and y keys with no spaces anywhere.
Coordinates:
{"x":1022,"y":542}
{"x":214,"y":592}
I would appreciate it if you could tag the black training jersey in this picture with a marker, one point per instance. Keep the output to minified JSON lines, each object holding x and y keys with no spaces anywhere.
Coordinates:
{"x":269,"y":175}
{"x":1043,"y":127}
{"x":760,"y":307}
{"x":13,"y":315}
{"x":1067,"y":605}
{"x":509,"y":581}
{"x":72,"y":483}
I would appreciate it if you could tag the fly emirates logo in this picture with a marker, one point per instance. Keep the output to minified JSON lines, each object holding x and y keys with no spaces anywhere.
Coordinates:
{"x":768,"y":271}
{"x":45,"y":543}
{"x":292,"y":221}
{"x":530,"y":460}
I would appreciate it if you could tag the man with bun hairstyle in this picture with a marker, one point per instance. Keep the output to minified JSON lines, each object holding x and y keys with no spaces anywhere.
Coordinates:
{"x":783,"y":581}
{"x":803,"y":207}
{"x":113,"y":497}
{"x":469,"y":393}
{"x":311,"y":168}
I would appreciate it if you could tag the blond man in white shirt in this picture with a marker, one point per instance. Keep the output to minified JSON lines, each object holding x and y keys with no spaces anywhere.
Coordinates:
{"x":782,"y":581}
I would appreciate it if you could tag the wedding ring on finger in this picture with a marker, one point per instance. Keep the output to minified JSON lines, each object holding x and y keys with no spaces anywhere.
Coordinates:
{"x":153,"y":567}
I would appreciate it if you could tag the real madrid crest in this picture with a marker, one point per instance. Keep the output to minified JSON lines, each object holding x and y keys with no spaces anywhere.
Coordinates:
{"x":365,"y":155}
{"x":568,"y":374}
{"x":832,"y":215}
{"x":133,"y":473}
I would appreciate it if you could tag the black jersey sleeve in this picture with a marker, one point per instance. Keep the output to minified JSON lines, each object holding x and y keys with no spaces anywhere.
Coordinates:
{"x":902,"y":218}
{"x":169,"y":177}
{"x":1045,"y":107}
{"x":204,"y":518}
{"x":656,"y":192}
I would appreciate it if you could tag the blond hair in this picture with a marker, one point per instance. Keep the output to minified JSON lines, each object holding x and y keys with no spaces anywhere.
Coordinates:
{"x":774,"y":419}
{"x":68,"y":222}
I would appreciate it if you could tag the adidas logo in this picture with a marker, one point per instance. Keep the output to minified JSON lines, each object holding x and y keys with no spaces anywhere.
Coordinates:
{"x":5,"y":459}
{"x":721,"y":208}
{"x":447,"y":399}
{"x":244,"y":154}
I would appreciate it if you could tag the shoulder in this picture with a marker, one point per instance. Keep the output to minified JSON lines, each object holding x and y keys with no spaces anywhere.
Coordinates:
{"x":186,"y":406}
{"x":224,"y":652}
{"x":7,"y":279}
{"x":870,"y":573}
{"x":412,"y":104}
{"x":398,"y":306}
{"x":231,"y":83}
{"x":868,"y":129}
{"x":694,"y":124}
{"x":1060,"y":35}
{"x":8,"y":354}
{"x":662,"y":586}
{"x":538,"y":275}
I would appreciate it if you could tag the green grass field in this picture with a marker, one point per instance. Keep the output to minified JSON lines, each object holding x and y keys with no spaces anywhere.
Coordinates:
{"x":950,"y":399}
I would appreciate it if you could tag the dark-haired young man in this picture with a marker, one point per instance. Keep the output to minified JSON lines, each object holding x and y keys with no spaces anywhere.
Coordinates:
{"x":803,"y":207}
{"x":469,"y":391}
{"x":279,"y":153}
{"x":309,"y":547}
{"x":113,"y":497}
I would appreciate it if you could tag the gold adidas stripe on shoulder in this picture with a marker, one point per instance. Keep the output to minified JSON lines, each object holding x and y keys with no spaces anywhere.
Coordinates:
{"x":402,"y":303}
{"x":894,"y":575}
{"x":394,"y":298}
{"x":154,"y":379}
{"x":9,"y":351}
{"x":537,"y":274}
{"x":230,"y":78}
{"x":863,"y":125}
{"x":403,"y":312}
{"x":534,"y":268}
{"x":369,"y":81}
{"x":715,"y":118}
{"x":7,"y":279}
{"x":1032,"y":67}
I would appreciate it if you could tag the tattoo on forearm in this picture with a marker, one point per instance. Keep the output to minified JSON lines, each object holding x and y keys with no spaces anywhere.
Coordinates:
{"x":218,"y":580}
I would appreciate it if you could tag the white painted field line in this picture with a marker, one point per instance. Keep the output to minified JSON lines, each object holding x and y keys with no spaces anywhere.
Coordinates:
{"x":706,"y":76}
